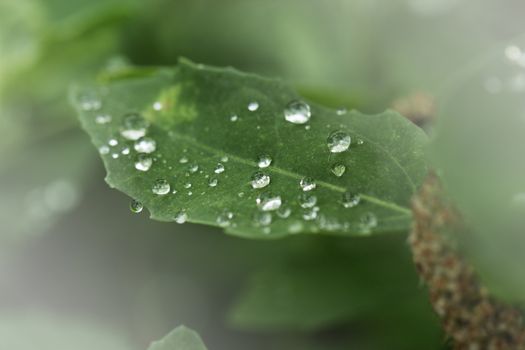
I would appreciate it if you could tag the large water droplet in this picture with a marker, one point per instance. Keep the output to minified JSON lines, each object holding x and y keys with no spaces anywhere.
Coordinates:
{"x":104,"y":149}
{"x":338,"y":141}
{"x":181,"y":217}
{"x":253,"y":106}
{"x":224,"y":219}
{"x":161,"y":187}
{"x":143,"y":162}
{"x":145,"y":145}
{"x":262,"y":218}
{"x":307,"y":184}
{"x":219,"y":168}
{"x":135,"y":206}
{"x":350,"y":200}
{"x":264,"y":161}
{"x":297,"y":112}
{"x":268,"y":201}
{"x":260,"y":179}
{"x":134,"y":126}
{"x":307,"y":200}
{"x":338,"y":169}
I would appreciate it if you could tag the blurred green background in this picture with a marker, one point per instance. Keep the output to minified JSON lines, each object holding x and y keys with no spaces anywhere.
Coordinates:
{"x":78,"y":270}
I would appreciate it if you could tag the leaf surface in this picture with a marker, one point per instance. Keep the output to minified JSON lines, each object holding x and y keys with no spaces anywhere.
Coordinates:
{"x":199,"y":118}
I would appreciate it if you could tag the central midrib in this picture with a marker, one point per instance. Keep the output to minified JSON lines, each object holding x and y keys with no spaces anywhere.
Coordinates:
{"x":275,"y":169}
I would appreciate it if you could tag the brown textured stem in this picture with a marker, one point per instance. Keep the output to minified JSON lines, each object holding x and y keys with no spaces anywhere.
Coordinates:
{"x":469,"y":315}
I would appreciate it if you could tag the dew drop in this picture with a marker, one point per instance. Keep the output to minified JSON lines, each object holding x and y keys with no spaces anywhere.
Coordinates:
{"x":125,"y":151}
{"x":368,"y":221}
{"x":311,"y":213}
{"x":297,"y":112}
{"x":103,"y":119}
{"x":183,"y":160}
{"x":224,"y":219}
{"x":338,"y":141}
{"x":284,"y":211}
{"x":134,"y":126}
{"x":234,"y":118}
{"x":307,"y":200}
{"x":307,"y":184}
{"x":219,"y":169}
{"x":262,"y":218}
{"x":135,"y":206}
{"x":90,"y":101}
{"x":264,"y":161}
{"x":157,"y":106}
{"x":338,"y":169}
{"x":143,"y":162}
{"x":225,"y":159}
{"x":193,"y":168}
{"x":114,"y":155}
{"x":268,"y":201}
{"x":145,"y":145}
{"x":181,"y":217}
{"x":187,"y":185}
{"x":341,"y":111}
{"x":213,"y":182}
{"x":350,"y":200}
{"x":260,"y":180}
{"x":161,"y":187}
{"x":360,"y":141}
{"x":253,"y":106}
{"x":103,"y":149}
{"x":112,"y":142}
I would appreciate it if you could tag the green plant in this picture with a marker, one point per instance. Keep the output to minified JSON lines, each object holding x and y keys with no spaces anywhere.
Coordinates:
{"x":323,"y":174}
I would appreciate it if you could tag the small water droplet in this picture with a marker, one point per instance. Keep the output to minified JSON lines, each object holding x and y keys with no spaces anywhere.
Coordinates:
{"x":143,"y":162}
{"x":224,"y":219}
{"x":193,"y":168}
{"x":307,"y":200}
{"x":240,"y":194}
{"x":157,"y":106}
{"x":134,"y":126}
{"x":114,"y":155}
{"x":253,"y":106}
{"x":103,"y":149}
{"x":284,"y":211}
{"x":145,"y":145}
{"x":341,"y":111}
{"x":234,"y":118}
{"x":135,"y":206}
{"x":161,"y":187}
{"x":350,"y":200}
{"x":224,"y":159}
{"x":125,"y":151}
{"x":187,"y":185}
{"x":190,"y":193}
{"x":368,"y":221}
{"x":307,"y":184}
{"x":264,"y":161}
{"x":213,"y":182}
{"x":103,"y":119}
{"x":297,"y":112}
{"x":260,"y":179}
{"x":90,"y":101}
{"x":219,"y":169}
{"x":183,"y":160}
{"x":112,"y":142}
{"x":338,"y":169}
{"x":360,"y":141}
{"x":181,"y":217}
{"x":262,"y":218}
{"x":307,"y":127}
{"x":311,"y":213}
{"x":268,"y":201}
{"x":338,"y":141}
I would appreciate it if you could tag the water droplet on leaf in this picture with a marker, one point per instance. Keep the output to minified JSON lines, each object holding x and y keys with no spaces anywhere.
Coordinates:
{"x":268,"y":201}
{"x":338,"y":141}
{"x":338,"y":169}
{"x":307,"y":200}
{"x":161,"y":187}
{"x":135,"y":206}
{"x":103,"y":119}
{"x":264,"y":161}
{"x":262,"y":218}
{"x":143,"y":162}
{"x":260,"y":180}
{"x":307,"y":184}
{"x":219,"y":169}
{"x":134,"y":126}
{"x":297,"y":112}
{"x":145,"y":145}
{"x":253,"y":106}
{"x":350,"y":200}
{"x":213,"y":182}
{"x":181,"y":217}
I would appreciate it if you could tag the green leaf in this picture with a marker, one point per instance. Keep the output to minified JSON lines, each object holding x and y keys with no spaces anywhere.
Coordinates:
{"x":194,"y":129}
{"x":181,"y":338}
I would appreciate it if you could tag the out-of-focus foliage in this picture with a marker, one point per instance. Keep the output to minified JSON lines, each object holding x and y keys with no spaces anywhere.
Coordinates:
{"x":479,"y":148}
